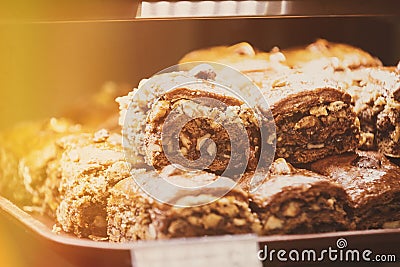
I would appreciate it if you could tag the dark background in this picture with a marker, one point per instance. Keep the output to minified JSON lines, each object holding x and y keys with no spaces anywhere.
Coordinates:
{"x":45,"y":67}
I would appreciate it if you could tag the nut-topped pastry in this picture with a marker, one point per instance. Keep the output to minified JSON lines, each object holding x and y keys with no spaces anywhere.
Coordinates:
{"x":372,"y":183}
{"x":294,"y":201}
{"x":314,"y":117}
{"x":90,"y":166}
{"x":134,"y":215}
{"x":375,"y":94}
{"x":32,"y":149}
{"x":388,"y":121}
{"x":241,"y":56}
{"x":220,"y":131}
{"x":195,"y":120}
{"x":322,"y":52}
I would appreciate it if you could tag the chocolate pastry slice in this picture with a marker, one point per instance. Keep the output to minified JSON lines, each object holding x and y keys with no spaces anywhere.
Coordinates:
{"x":322,"y":52}
{"x":205,"y":128}
{"x":187,"y":118}
{"x":134,"y":215}
{"x":134,"y":109}
{"x":375,"y":94}
{"x":89,"y":167}
{"x":372,"y":183}
{"x":314,"y":118}
{"x":296,"y":201}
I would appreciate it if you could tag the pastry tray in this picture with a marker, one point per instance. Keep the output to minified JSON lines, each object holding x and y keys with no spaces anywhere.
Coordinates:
{"x":85,"y":252}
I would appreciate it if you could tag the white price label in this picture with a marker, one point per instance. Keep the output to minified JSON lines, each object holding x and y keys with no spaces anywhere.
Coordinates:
{"x":232,"y":251}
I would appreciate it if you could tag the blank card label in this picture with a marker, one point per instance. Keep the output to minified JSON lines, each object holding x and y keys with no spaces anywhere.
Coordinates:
{"x":232,"y":251}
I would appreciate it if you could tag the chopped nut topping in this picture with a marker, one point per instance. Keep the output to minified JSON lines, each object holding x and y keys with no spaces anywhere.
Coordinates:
{"x":194,"y":220}
{"x":307,"y":122}
{"x":331,"y":119}
{"x":201,"y":140}
{"x":273,"y":223}
{"x":175,"y":226}
{"x":161,"y":107}
{"x":331,"y":203}
{"x":292,"y":209}
{"x":239,"y":222}
{"x":212,"y":220}
{"x":319,"y":111}
{"x":336,"y":106}
{"x":185,"y":141}
{"x":380,"y":101}
{"x":100,"y":136}
{"x":315,"y":146}
{"x":184,"y":151}
{"x":279,"y":83}
{"x":281,"y":167}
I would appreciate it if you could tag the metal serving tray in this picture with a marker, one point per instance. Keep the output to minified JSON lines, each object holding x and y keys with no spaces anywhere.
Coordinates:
{"x":84,"y":252}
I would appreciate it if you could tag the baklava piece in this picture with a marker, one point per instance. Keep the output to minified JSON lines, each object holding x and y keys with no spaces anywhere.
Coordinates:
{"x":135,"y":106}
{"x":134,"y":215}
{"x":185,"y":117}
{"x":34,"y":146}
{"x":372,"y":183}
{"x":295,"y":201}
{"x":314,"y":118}
{"x":241,"y":56}
{"x":388,"y":121}
{"x":90,"y":166}
{"x":343,"y":56}
{"x":375,"y":95}
{"x":320,"y":54}
{"x":221,"y":132}
{"x":11,"y":182}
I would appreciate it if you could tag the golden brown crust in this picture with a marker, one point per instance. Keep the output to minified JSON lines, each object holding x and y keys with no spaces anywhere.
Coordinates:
{"x":89,"y":167}
{"x":321,"y":54}
{"x":343,"y":56}
{"x":34,"y":150}
{"x":241,"y":56}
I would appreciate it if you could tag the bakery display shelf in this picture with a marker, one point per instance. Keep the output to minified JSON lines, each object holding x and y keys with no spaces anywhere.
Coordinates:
{"x":132,"y":10}
{"x":270,"y":8}
{"x":84,"y":252}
